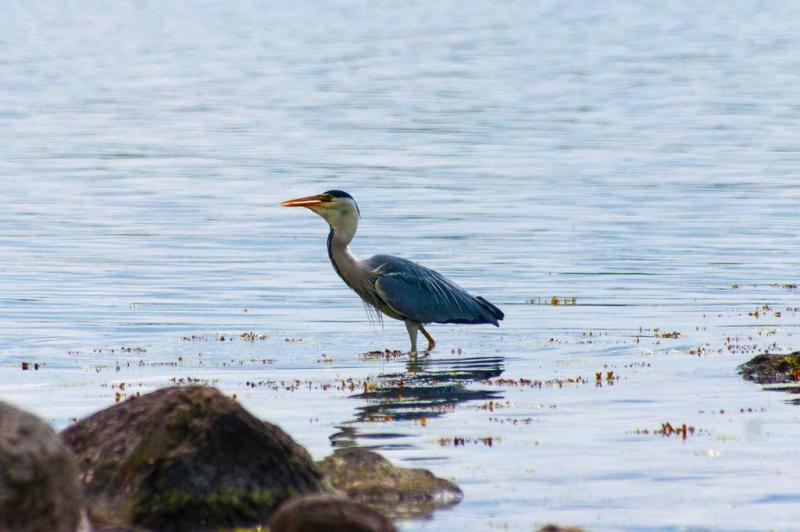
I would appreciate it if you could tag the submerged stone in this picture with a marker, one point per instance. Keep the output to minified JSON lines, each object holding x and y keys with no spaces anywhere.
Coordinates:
{"x":328,"y":513}
{"x":772,"y":369}
{"x":367,"y":477}
{"x":186,"y":458}
{"x":39,"y":486}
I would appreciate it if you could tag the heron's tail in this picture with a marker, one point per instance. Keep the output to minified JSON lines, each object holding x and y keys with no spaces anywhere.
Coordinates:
{"x":494,"y":311}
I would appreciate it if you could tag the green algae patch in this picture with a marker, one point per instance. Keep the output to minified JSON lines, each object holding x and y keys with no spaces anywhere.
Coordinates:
{"x":181,"y":509}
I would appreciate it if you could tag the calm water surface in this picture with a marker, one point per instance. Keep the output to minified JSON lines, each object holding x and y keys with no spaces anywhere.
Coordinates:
{"x":640,"y":157}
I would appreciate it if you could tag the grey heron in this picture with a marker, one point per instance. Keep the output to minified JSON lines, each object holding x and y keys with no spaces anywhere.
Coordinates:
{"x":396,"y":287}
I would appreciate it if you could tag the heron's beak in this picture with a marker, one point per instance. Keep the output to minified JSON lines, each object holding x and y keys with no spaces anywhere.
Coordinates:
{"x":308,"y":201}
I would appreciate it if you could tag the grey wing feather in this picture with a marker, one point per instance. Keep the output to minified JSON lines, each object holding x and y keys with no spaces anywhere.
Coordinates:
{"x":424,"y":295}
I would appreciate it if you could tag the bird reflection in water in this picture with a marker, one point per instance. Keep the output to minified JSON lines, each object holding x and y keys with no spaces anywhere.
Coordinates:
{"x":429,"y":388}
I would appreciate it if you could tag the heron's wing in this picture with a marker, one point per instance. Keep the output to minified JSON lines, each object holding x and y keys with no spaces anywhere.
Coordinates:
{"x":426,"y":296}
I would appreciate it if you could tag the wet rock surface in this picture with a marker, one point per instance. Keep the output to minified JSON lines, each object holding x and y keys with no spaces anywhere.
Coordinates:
{"x":398,"y":492}
{"x":186,"y":458}
{"x":553,"y":527}
{"x":39,"y":486}
{"x":772,"y":369}
{"x":328,"y":513}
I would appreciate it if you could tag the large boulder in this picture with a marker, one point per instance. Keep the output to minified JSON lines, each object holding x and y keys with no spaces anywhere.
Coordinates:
{"x":39,"y":486}
{"x":328,"y":513}
{"x":186,"y":458}
{"x":369,"y":478}
{"x":772,"y":369}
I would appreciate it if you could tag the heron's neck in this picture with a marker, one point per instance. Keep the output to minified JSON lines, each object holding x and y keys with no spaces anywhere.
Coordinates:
{"x":344,"y":262}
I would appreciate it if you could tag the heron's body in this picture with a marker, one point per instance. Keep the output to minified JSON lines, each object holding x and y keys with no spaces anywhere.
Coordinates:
{"x":396,"y":287}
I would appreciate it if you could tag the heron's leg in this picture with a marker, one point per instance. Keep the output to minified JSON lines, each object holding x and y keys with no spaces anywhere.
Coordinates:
{"x":412,"y":328}
{"x":431,"y":341}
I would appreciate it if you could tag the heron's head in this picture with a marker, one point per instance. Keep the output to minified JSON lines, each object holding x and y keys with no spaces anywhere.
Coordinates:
{"x":338,"y":208}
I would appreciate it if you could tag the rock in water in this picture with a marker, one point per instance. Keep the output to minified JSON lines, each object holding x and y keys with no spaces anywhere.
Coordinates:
{"x":186,"y":458}
{"x":772,"y":369}
{"x":328,"y":513}
{"x":39,"y":486}
{"x":369,"y":478}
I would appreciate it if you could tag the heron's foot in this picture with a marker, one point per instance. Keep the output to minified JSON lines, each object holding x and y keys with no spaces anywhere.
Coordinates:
{"x":431,"y":341}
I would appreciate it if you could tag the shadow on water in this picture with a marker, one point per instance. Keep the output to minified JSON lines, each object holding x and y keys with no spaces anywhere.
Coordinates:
{"x":430,"y":387}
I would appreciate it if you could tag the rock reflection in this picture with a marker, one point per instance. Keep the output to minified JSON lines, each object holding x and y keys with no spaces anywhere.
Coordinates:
{"x":791,"y":390}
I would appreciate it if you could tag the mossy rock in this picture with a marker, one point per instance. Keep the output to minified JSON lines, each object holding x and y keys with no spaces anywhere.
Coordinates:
{"x":187,"y":458}
{"x":39,"y":486}
{"x":369,"y":478}
{"x":772,"y":369}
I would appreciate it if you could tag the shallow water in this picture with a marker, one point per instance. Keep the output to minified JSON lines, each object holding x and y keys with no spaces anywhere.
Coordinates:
{"x":639,"y":157}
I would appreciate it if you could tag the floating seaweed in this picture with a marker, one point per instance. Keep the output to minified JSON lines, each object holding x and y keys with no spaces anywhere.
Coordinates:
{"x":251,"y":336}
{"x":553,"y":301}
{"x":667,"y":429}
{"x":457,"y":441}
